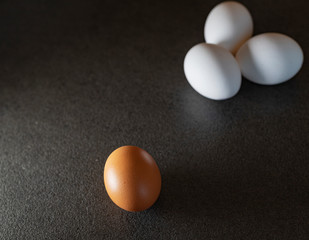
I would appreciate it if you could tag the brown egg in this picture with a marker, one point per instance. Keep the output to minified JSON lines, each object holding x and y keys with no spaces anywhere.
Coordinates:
{"x":132,"y":178}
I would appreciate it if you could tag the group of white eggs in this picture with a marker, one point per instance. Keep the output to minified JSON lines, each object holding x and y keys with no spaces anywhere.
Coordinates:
{"x":214,"y":68}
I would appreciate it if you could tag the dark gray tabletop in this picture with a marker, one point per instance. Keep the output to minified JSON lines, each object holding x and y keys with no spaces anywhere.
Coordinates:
{"x":80,"y":78}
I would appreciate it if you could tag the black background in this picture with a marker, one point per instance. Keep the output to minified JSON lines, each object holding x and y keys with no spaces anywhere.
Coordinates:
{"x":80,"y":78}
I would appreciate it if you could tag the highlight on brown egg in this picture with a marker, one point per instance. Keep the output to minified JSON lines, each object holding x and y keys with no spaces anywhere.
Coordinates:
{"x":132,"y":178}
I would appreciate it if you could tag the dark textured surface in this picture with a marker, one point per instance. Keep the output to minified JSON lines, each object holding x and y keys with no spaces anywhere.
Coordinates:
{"x":81,"y":78}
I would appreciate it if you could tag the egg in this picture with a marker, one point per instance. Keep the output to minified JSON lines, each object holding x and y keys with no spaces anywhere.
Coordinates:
{"x":229,"y":25}
{"x":270,"y":58}
{"x":132,"y":178}
{"x":212,"y":71}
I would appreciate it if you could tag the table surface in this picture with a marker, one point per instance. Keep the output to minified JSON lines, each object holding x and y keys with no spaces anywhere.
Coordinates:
{"x":80,"y":78}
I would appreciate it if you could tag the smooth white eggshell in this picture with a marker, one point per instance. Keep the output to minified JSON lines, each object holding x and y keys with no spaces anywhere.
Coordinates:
{"x":212,"y":71}
{"x":229,"y":25}
{"x":270,"y":58}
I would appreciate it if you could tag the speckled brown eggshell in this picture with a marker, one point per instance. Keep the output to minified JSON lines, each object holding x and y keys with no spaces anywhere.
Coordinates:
{"x":132,"y":178}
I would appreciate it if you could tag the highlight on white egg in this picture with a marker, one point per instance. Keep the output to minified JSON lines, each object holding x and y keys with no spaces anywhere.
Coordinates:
{"x":212,"y":71}
{"x":270,"y":58}
{"x":229,"y":25}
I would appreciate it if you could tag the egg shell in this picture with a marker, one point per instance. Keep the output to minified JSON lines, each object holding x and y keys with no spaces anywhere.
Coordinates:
{"x":270,"y":58}
{"x":229,"y":25}
{"x":212,"y":71}
{"x":132,"y":178}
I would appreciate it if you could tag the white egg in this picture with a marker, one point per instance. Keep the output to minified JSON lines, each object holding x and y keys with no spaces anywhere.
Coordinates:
{"x":212,"y":71}
{"x":270,"y":58}
{"x":229,"y":25}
